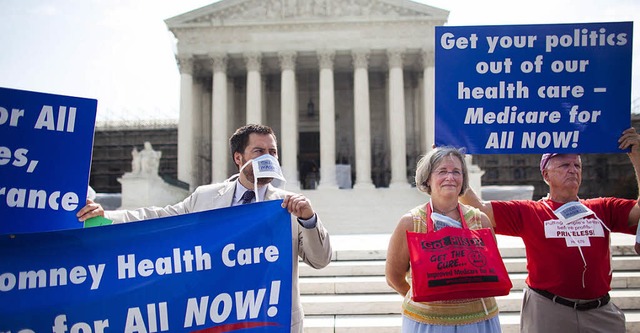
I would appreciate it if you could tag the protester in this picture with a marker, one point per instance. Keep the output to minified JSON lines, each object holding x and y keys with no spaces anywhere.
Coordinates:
{"x":310,"y":240}
{"x":567,"y":246}
{"x":443,"y":175}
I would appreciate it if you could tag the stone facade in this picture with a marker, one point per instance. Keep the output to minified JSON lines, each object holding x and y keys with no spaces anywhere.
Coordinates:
{"x":603,"y":174}
{"x":347,"y":85}
{"x":340,"y":82}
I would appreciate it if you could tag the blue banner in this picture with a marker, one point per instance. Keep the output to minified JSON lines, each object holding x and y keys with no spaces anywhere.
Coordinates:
{"x":45,"y":158}
{"x":533,"y":88}
{"x":217,"y":271}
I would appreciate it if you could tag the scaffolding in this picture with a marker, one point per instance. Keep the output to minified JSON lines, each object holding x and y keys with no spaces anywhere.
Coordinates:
{"x":112,"y":145}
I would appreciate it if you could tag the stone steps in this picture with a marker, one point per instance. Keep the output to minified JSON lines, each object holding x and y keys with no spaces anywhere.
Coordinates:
{"x":377,"y":284}
{"x":355,"y":304}
{"x":351,"y":294}
{"x":510,"y":323}
{"x":376,"y":267}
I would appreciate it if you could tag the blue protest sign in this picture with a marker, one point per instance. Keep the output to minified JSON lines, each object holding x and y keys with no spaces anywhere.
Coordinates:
{"x":533,"y":88}
{"x":45,"y":158}
{"x":215,"y":271}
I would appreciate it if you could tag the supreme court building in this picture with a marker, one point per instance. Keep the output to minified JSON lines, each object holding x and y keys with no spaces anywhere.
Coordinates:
{"x":347,"y":85}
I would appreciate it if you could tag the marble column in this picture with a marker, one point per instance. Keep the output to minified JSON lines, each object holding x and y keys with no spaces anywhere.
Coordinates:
{"x":397,"y":126}
{"x":362,"y":119}
{"x":429,"y":98}
{"x":202,"y":132}
{"x":327,"y":122}
{"x":219,"y":120}
{"x":254,"y":88}
{"x":185,"y":133}
{"x":289,"y":120}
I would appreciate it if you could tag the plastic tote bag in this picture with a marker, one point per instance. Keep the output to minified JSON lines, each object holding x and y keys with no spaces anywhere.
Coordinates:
{"x":454,"y":263}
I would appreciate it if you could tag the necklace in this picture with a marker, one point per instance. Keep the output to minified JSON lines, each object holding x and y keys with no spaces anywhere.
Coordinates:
{"x":444,"y":212}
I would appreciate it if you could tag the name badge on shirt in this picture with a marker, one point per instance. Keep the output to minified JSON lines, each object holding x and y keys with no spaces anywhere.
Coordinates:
{"x":572,"y":211}
{"x":576,"y":233}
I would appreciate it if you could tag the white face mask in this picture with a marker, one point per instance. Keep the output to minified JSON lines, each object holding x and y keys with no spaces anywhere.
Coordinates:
{"x":440,"y":221}
{"x":572,"y":211}
{"x":264,"y":166}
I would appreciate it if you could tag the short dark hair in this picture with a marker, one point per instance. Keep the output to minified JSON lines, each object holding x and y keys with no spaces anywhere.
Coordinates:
{"x":240,"y":139}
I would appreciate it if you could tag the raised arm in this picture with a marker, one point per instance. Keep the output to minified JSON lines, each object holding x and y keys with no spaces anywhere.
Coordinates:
{"x":631,"y":139}
{"x":471,"y":198}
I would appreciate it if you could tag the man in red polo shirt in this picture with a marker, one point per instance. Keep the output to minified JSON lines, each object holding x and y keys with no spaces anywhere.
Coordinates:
{"x":567,"y":246}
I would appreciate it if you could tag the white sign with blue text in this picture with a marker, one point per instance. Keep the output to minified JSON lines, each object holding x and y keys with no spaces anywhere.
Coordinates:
{"x":533,"y":88}
{"x":45,"y":158}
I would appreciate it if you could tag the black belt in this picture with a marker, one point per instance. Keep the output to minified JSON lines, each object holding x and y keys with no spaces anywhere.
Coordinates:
{"x":602,"y":301}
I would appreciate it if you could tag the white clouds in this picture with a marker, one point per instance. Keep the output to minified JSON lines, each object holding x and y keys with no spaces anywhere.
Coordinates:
{"x":119,"y":52}
{"x":45,"y":10}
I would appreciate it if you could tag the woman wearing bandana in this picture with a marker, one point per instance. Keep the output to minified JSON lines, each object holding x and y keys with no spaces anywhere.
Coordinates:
{"x":255,"y":152}
{"x":567,"y":246}
{"x":443,"y":175}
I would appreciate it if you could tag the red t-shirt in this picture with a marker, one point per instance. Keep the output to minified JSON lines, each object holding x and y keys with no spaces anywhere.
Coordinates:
{"x":554,"y":262}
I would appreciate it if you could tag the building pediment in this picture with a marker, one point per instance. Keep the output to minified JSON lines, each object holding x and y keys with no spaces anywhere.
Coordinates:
{"x":247,"y":12}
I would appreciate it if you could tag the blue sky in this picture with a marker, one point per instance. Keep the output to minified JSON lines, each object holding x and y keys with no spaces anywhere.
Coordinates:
{"x":121,"y":53}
